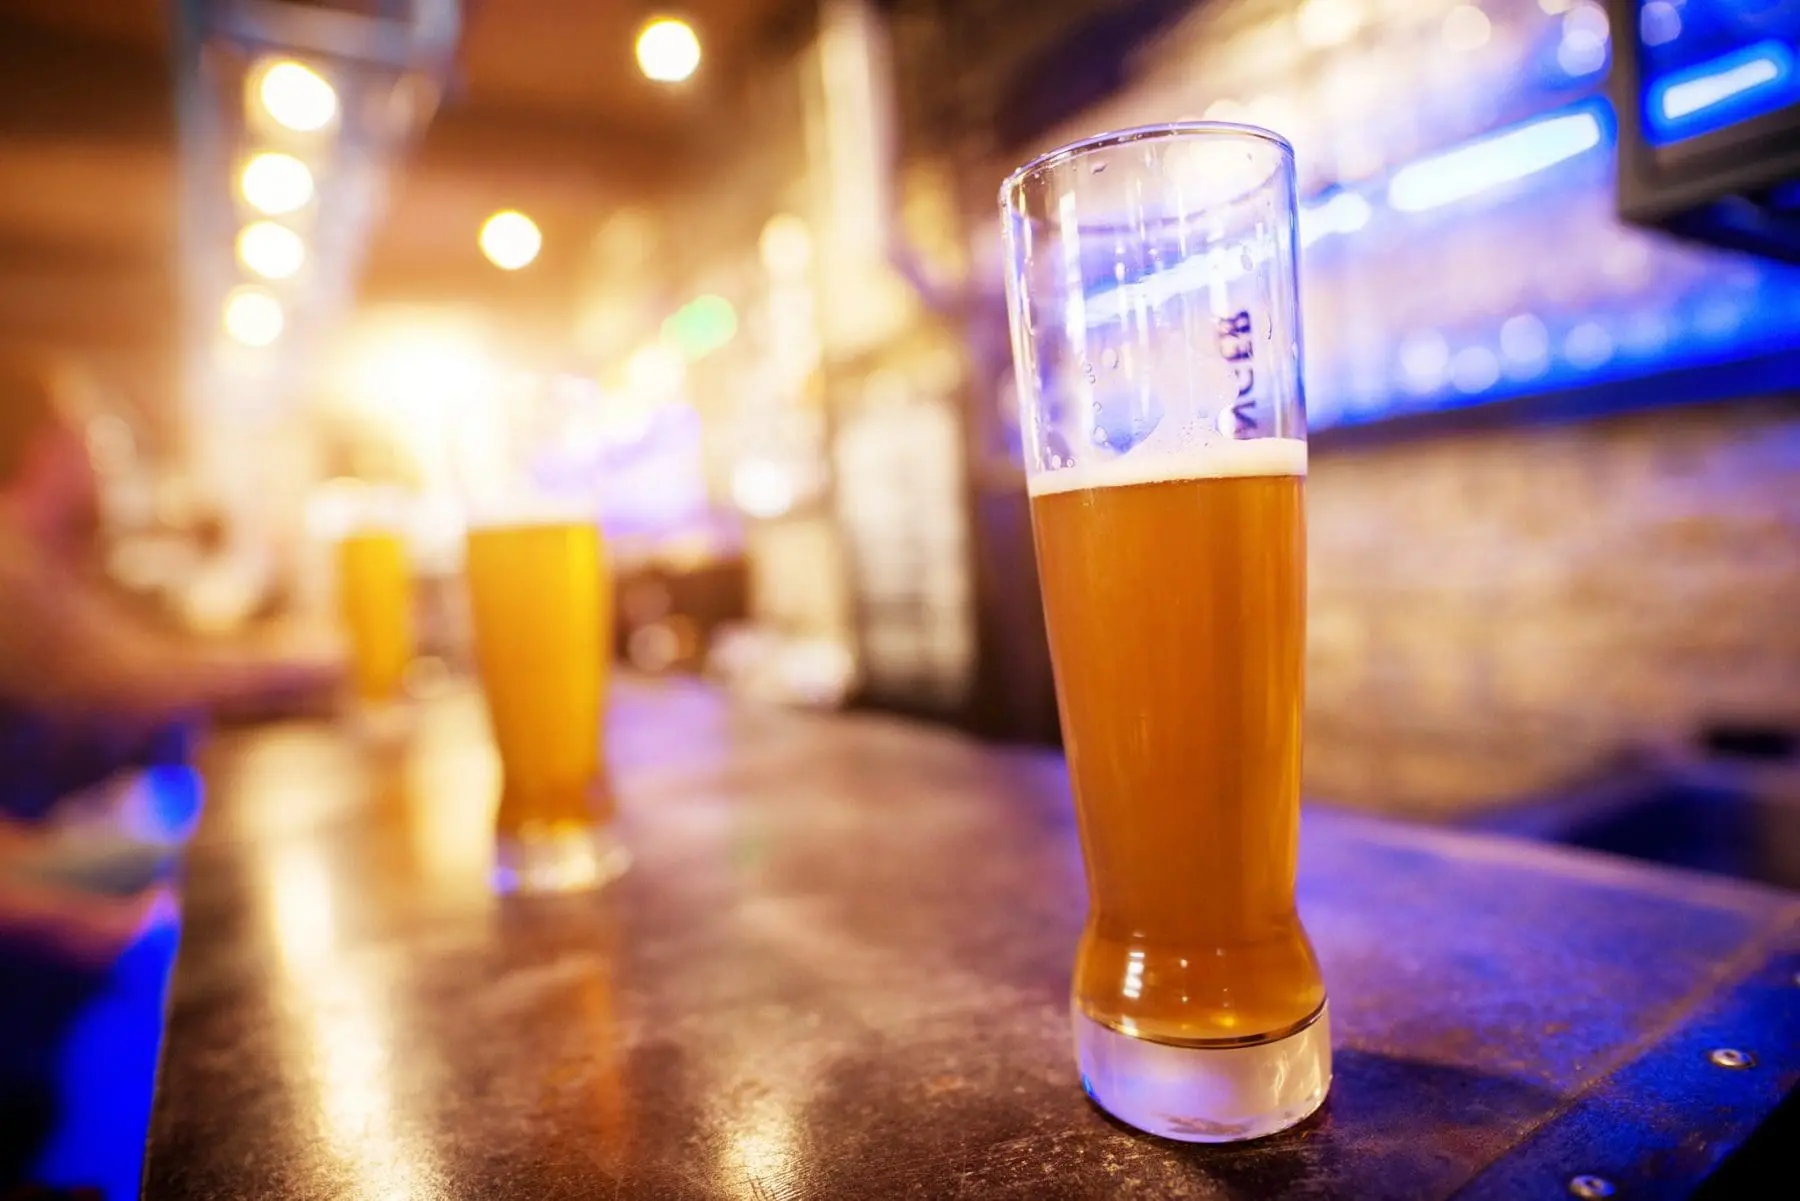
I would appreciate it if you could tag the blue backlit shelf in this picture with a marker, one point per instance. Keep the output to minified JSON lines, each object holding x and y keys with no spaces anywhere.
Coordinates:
{"x":1495,"y":267}
{"x":1708,"y":64}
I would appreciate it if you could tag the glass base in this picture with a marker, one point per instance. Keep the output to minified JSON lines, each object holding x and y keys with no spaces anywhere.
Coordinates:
{"x":1200,"y":1094}
{"x":567,"y":860}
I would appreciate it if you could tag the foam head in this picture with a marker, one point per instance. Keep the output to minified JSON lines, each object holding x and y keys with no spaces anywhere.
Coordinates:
{"x":1198,"y":461}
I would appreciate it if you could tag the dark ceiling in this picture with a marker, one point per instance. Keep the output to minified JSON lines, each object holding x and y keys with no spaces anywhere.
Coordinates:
{"x":87,"y":187}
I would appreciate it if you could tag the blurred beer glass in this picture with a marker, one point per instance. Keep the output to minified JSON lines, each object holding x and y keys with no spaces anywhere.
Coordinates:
{"x":1151,"y":286}
{"x":375,"y":602}
{"x":541,"y":596}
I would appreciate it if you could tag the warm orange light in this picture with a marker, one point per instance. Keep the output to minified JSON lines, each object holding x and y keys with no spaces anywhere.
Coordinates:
{"x":786,"y":246}
{"x":510,"y":240}
{"x":297,"y":96}
{"x":276,"y":183}
{"x":655,"y":370}
{"x":272,"y":251}
{"x":668,"y":50}
{"x":254,"y":316}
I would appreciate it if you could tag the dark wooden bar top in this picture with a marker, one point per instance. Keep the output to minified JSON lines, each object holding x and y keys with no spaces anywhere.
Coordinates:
{"x":839,"y":968}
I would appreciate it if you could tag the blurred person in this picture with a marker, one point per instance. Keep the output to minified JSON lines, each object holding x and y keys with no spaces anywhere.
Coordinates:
{"x":66,"y":647}
{"x":63,"y":922}
{"x":85,"y":683}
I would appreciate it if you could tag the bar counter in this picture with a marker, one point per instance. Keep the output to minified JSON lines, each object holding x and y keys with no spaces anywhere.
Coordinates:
{"x":839,"y":967}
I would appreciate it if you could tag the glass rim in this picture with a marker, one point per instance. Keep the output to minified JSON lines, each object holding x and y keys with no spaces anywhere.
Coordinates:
{"x":1167,"y":131}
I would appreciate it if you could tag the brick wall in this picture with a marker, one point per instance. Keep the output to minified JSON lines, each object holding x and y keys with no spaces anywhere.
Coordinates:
{"x":1495,"y":613}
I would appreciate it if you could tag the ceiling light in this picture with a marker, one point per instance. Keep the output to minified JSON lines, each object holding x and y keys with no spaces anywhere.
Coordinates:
{"x":510,"y":240}
{"x":667,"y":50}
{"x":276,"y":183}
{"x":272,"y":251}
{"x":297,"y":96}
{"x":254,"y":316}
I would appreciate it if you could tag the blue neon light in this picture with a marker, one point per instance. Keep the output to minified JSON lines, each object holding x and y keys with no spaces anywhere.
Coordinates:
{"x":1722,"y":91}
{"x":1586,"y":320}
{"x":1345,"y":213}
{"x":1729,"y":325}
{"x":1498,"y":159}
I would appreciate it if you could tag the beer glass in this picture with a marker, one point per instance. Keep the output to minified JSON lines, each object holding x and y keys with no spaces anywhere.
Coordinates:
{"x":374,"y":587}
{"x":541,"y":598}
{"x":1151,"y":288}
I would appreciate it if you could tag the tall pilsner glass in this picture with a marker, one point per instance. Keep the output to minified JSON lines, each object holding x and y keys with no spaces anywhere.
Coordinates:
{"x":1151,"y":284}
{"x":374,"y":587}
{"x":540,"y":594}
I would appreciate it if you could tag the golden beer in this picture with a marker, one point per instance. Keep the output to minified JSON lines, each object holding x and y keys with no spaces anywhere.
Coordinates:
{"x":1175,"y":598}
{"x":1152,"y":294}
{"x":374,"y":588}
{"x":542,"y":608}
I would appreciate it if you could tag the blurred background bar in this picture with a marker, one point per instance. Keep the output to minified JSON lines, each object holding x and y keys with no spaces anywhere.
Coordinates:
{"x":727,"y":276}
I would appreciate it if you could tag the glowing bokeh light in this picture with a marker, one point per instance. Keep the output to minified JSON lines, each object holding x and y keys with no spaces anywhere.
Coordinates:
{"x":276,"y":183}
{"x":254,"y":316}
{"x":701,"y":326}
{"x":786,"y":246}
{"x":510,"y":240}
{"x":1467,"y":28}
{"x":668,"y":50}
{"x":297,"y":96}
{"x":270,"y":250}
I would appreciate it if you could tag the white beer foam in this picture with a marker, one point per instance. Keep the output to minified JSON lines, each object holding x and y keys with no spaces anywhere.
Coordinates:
{"x":515,"y":512}
{"x":1224,"y":459}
